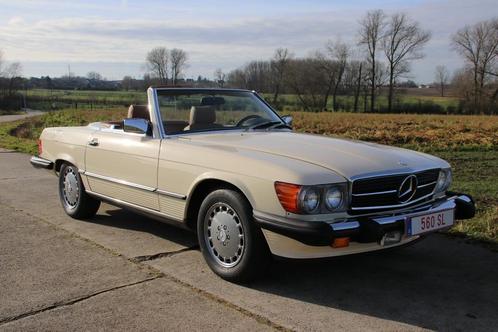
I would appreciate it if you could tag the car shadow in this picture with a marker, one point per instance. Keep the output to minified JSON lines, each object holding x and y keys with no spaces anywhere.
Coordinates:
{"x":438,"y":283}
{"x":125,"y":219}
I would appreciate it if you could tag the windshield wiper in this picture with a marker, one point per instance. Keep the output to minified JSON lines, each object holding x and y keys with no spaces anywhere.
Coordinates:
{"x":263,"y":124}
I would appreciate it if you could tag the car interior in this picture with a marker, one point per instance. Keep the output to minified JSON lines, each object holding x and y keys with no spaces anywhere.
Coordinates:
{"x":201,"y":116}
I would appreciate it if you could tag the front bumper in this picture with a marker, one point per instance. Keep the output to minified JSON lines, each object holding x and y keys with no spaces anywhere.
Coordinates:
{"x":38,"y":162}
{"x":362,"y":229}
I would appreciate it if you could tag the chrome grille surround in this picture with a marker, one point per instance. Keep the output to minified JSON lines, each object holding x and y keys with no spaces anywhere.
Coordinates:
{"x":377,"y":193}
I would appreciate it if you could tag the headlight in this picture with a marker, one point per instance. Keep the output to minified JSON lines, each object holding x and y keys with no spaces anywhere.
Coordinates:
{"x":309,"y":199}
{"x":443,"y":181}
{"x":316,"y":199}
{"x":333,"y":198}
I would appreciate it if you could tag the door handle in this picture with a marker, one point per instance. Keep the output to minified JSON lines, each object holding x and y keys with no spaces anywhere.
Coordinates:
{"x":93,"y":142}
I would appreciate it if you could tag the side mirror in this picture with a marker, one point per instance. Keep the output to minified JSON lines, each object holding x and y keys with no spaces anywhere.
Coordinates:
{"x":137,"y":126}
{"x":288,"y":120}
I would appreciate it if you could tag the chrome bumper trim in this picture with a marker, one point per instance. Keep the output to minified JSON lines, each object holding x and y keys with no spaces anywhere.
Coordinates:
{"x":435,"y":207}
{"x":342,"y":226}
{"x":41,"y":162}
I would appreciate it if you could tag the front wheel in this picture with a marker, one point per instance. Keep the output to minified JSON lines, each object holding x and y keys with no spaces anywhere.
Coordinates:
{"x":75,"y":201}
{"x":232,"y":245}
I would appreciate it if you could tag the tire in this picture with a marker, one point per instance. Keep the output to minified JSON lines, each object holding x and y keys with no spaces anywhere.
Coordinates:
{"x":75,"y":201}
{"x":231,"y":243}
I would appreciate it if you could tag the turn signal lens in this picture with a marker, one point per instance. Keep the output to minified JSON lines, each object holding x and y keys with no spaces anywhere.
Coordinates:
{"x":288,"y":194}
{"x":40,"y":148}
{"x":340,"y":242}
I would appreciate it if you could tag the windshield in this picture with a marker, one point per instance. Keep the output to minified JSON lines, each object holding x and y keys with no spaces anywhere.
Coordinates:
{"x":185,"y":110}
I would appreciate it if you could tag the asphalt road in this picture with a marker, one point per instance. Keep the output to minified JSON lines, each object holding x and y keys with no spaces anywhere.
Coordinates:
{"x":15,"y":117}
{"x":124,"y":271}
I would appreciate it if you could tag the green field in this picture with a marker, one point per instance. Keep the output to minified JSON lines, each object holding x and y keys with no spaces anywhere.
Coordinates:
{"x":44,"y":99}
{"x":403,"y":102}
{"x":469,"y":143}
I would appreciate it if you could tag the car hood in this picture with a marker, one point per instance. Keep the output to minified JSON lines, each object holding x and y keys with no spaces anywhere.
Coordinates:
{"x":349,"y":158}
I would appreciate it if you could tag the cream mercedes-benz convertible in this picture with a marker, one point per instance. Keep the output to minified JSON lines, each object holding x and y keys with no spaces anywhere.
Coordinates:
{"x":223,"y":163}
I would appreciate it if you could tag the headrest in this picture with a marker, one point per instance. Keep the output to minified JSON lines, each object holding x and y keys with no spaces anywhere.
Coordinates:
{"x":202,"y":114}
{"x":139,"y":112}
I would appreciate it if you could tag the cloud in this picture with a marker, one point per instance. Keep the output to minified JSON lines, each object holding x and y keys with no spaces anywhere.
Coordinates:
{"x":93,"y":32}
{"x":92,"y":39}
{"x":15,"y":21}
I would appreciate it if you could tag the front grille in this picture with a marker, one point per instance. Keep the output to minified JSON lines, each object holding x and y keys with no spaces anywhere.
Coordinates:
{"x":381,"y":193}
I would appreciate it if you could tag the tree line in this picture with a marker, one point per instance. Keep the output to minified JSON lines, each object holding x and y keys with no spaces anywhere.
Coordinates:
{"x":339,"y":77}
{"x":374,"y":65}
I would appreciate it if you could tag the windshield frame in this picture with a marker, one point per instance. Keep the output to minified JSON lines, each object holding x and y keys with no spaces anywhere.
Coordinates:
{"x":183,"y":91}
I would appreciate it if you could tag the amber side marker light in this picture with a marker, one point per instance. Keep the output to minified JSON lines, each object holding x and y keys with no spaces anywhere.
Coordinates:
{"x":340,"y":242}
{"x":287,"y":194}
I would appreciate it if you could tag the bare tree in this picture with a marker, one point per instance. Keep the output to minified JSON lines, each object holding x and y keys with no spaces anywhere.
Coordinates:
{"x":237,"y":79}
{"x":403,"y":42}
{"x":279,"y":65}
{"x":219,"y":77}
{"x":305,"y":80}
{"x":13,"y":73}
{"x":127,"y":82}
{"x":93,"y":75}
{"x":371,"y":34}
{"x":1,"y":62}
{"x":478,"y":44}
{"x":442,"y":77}
{"x":178,"y":58}
{"x":257,"y":75}
{"x":157,"y":63}
{"x":327,"y":75}
{"x":356,"y":75}
{"x":333,"y":64}
{"x":339,"y":52}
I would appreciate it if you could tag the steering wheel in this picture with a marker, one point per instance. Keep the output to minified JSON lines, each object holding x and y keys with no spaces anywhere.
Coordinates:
{"x":246,"y":118}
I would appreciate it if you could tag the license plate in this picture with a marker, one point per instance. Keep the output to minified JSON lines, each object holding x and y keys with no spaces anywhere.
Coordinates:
{"x":430,"y":222}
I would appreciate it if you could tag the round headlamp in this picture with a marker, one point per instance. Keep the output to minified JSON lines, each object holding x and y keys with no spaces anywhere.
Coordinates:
{"x":444,"y":180}
{"x":333,"y":198}
{"x":309,"y":199}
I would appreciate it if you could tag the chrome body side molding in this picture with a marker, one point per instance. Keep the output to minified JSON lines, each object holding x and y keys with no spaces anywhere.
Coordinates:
{"x":119,"y":181}
{"x":134,"y":185}
{"x":171,"y":194}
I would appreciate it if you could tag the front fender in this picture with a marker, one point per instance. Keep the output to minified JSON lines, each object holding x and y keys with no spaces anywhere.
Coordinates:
{"x":259,"y":192}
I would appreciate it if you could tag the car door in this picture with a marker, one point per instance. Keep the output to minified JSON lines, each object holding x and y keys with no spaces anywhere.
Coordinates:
{"x":123,"y":166}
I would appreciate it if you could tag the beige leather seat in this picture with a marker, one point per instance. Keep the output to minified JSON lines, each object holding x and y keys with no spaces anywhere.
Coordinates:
{"x":139,"y":112}
{"x":202,"y":117}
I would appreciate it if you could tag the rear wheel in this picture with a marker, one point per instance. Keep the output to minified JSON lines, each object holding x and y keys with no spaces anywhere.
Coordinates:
{"x":232,"y":245}
{"x":75,"y":201}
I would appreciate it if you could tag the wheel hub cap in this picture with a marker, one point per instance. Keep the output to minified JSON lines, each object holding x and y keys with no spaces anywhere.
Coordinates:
{"x":71,"y":187}
{"x":224,"y":235}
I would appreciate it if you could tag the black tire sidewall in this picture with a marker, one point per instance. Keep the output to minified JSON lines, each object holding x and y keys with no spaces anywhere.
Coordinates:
{"x":255,"y":256}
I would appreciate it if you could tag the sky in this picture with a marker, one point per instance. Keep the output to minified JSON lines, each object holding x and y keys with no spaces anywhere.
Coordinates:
{"x":113,"y":37}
